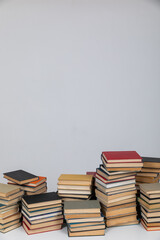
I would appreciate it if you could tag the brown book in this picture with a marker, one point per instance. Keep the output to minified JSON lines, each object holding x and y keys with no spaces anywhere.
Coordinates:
{"x":147,"y":179}
{"x":9,"y":224}
{"x":121,"y":220}
{"x":87,"y":228}
{"x":42,"y":229}
{"x":129,"y":200}
{"x":8,"y":190}
{"x":148,"y":228}
{"x":119,"y":212}
{"x":151,"y":170}
{"x":150,"y":188}
{"x":9,"y":212}
{"x":44,"y":224}
{"x":149,"y":206}
{"x":42,"y":190}
{"x":87,"y":233}
{"x":82,"y":215}
{"x":10,"y":218}
{"x":5,"y":230}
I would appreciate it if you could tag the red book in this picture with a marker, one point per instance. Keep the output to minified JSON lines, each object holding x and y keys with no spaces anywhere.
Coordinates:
{"x":122,"y":156}
{"x":104,"y":180}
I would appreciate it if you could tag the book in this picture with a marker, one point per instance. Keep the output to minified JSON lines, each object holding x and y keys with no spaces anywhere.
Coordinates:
{"x":7,"y":190}
{"x":87,"y":233}
{"x":121,"y":156}
{"x":42,"y":229}
{"x":41,"y":199}
{"x":151,"y":162}
{"x":88,"y":206}
{"x":150,"y":188}
{"x":43,"y":224}
{"x":20,"y":177}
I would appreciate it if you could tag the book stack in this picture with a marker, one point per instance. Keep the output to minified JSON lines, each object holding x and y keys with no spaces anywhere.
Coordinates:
{"x":9,"y":207}
{"x":42,"y":213}
{"x":150,"y":172}
{"x":29,"y":183}
{"x":116,"y":191}
{"x":84,"y":218}
{"x":150,"y":206}
{"x":75,"y":187}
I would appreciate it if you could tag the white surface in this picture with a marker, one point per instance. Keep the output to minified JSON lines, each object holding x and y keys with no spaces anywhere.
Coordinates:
{"x":136,"y":232}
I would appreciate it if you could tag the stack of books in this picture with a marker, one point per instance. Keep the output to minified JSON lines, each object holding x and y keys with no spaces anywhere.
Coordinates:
{"x":84,"y":218}
{"x":75,"y":187}
{"x":29,"y":183}
{"x":9,"y":207}
{"x":150,"y":206}
{"x":116,"y":190}
{"x":150,"y":172}
{"x":42,"y":213}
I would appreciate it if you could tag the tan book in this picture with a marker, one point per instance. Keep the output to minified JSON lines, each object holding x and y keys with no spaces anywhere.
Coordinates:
{"x":42,"y":190}
{"x":124,"y":169}
{"x":153,"y":188}
{"x":148,"y":228}
{"x":151,"y":195}
{"x":10,"y":218}
{"x":147,"y":174}
{"x":75,"y":225}
{"x":147,"y":179}
{"x":41,"y":230}
{"x":150,"y":220}
{"x":151,"y":224}
{"x":7,"y":208}
{"x":10,"y":202}
{"x":75,"y":177}
{"x":149,"y":206}
{"x":150,"y":214}
{"x":88,"y":228}
{"x":43,"y":220}
{"x":13,"y":196}
{"x":119,"y":212}
{"x":74,"y":187}
{"x":87,"y":233}
{"x":39,"y":212}
{"x":84,"y":192}
{"x":150,"y":201}
{"x":10,"y":228}
{"x":9,"y":212}
{"x":73,"y":195}
{"x":41,"y":208}
{"x":6,"y":190}
{"x":120,"y":197}
{"x":155,"y":170}
{"x":129,"y":200}
{"x":113,"y":208}
{"x":44,"y":224}
{"x":31,"y":189}
{"x":9,"y":224}
{"x":121,"y":220}
{"x":84,"y":220}
{"x":82,"y":215}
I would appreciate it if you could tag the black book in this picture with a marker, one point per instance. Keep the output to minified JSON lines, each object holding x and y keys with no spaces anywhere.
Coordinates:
{"x":20,"y":177}
{"x":151,"y":162}
{"x":43,"y":199}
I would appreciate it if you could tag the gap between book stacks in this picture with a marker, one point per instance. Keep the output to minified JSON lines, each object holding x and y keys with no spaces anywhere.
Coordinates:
{"x":124,"y":190}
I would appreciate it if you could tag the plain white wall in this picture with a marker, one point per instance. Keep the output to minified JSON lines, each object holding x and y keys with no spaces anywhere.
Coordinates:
{"x":77,"y":77}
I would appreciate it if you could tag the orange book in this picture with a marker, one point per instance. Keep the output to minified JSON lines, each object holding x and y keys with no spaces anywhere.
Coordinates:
{"x":37,"y":182}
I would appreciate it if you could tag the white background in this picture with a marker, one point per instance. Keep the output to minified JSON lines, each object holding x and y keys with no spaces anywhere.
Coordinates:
{"x":78,"y":77}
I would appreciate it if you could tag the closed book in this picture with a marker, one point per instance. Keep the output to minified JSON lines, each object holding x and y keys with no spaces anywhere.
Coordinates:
{"x":87,"y":233}
{"x":41,"y":199}
{"x":88,"y":206}
{"x":42,"y":229}
{"x":121,"y":220}
{"x":7,"y":190}
{"x":121,"y":155}
{"x":151,"y":162}
{"x":44,"y":224}
{"x":20,"y":176}
{"x":153,"y":188}
{"x":116,"y":184}
{"x":10,"y":228}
